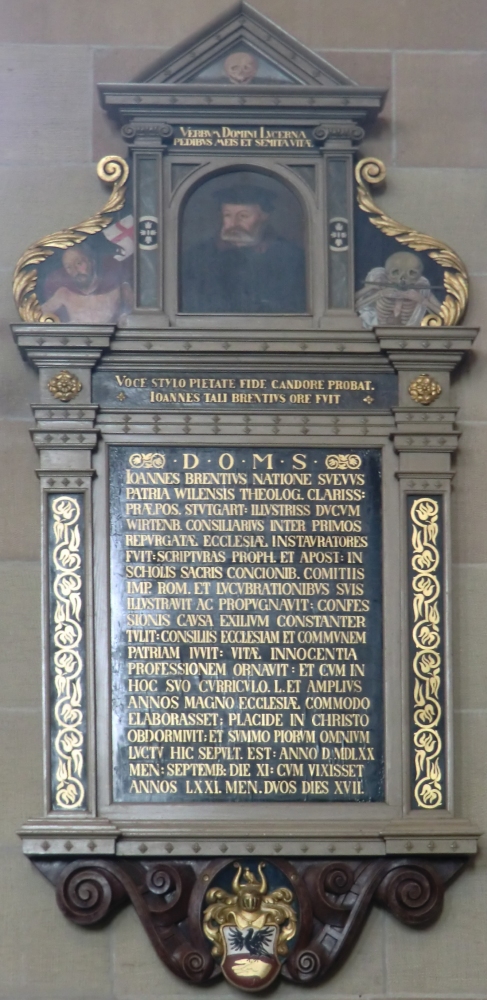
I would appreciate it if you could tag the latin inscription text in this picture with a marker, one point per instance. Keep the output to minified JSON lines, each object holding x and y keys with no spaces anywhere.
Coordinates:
{"x":246,"y":635}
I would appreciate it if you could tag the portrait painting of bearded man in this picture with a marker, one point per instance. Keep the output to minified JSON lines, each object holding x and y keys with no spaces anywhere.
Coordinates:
{"x":254,"y":261}
{"x":87,"y":288}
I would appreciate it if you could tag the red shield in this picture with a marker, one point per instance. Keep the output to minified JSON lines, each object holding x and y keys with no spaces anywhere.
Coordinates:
{"x":250,"y":961}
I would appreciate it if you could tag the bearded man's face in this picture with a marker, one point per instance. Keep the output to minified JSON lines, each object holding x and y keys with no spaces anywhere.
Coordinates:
{"x":242,"y":224}
{"x":80,"y":267}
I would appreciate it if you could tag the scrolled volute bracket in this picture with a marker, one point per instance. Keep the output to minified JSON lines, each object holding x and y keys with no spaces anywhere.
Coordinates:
{"x":146,"y":133}
{"x":252,"y":921}
{"x":112,"y":170}
{"x":341,"y":132}
{"x":371,"y":171}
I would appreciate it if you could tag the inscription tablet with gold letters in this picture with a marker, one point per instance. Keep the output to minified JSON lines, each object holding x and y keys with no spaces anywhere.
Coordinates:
{"x":246,"y":628}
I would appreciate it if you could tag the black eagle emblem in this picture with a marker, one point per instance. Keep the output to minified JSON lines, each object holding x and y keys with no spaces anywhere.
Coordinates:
{"x":252,"y":942}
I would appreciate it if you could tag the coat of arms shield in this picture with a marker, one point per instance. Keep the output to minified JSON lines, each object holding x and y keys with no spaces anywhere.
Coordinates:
{"x":250,"y":928}
{"x":250,"y":960}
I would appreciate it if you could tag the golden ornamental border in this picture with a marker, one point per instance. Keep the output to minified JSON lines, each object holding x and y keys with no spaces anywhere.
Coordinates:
{"x":110,"y":169}
{"x":427,"y":662}
{"x":372,"y":171}
{"x":68,"y":660}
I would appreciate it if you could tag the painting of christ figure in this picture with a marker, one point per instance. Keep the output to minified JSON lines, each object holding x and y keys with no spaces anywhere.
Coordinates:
{"x":90,"y":282}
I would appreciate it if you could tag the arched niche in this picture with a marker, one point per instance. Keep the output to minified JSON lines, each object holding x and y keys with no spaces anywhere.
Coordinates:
{"x":242,"y":245}
{"x":286,"y":250}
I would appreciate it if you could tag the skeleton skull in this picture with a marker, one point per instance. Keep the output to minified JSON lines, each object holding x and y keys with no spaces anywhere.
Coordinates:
{"x":397,"y":294}
{"x":403,"y":270}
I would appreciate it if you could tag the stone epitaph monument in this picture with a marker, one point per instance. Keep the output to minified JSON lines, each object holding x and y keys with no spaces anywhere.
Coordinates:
{"x":245,"y":437}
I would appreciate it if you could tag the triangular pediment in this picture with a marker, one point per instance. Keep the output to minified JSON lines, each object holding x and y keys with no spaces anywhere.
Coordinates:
{"x":244,"y":48}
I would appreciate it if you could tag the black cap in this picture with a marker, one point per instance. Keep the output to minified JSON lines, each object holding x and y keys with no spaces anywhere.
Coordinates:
{"x":246,"y":194}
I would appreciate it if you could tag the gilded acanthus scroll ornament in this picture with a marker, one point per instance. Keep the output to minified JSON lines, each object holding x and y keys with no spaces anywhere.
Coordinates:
{"x":111,"y":169}
{"x":69,"y":788}
{"x":426,"y":636}
{"x":450,"y":312}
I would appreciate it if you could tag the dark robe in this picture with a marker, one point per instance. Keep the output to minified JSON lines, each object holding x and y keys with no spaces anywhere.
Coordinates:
{"x":219,"y":277}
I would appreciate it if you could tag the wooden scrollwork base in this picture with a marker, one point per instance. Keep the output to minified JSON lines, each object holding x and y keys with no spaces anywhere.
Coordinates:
{"x":332,"y":898}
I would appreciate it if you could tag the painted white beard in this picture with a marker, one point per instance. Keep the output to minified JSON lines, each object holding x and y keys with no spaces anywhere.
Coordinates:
{"x":240,"y":237}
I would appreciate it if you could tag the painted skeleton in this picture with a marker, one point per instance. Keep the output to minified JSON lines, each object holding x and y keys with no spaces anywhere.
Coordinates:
{"x":397,"y":294}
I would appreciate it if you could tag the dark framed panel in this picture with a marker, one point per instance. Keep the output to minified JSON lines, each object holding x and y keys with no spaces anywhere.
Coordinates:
{"x":243,"y":244}
{"x":286,"y":265}
{"x":166,"y":807}
{"x":246,"y":624}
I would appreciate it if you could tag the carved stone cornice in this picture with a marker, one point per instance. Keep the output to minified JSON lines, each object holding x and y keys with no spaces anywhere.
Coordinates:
{"x":66,"y":479}
{"x":442,"y":348}
{"x":64,"y":416}
{"x":65,"y":426}
{"x":65,"y":835}
{"x":426,"y":442}
{"x":62,"y":440}
{"x":296,"y":425}
{"x":428,"y":421}
{"x":55,"y":345}
{"x":415,"y":834}
{"x":339,"y":344}
{"x":425,"y":430}
{"x":123,"y":101}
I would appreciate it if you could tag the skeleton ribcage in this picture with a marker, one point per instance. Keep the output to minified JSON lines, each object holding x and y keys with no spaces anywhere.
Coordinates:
{"x":394,"y":311}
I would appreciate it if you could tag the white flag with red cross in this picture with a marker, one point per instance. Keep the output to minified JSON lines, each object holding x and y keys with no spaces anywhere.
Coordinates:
{"x":121,"y":233}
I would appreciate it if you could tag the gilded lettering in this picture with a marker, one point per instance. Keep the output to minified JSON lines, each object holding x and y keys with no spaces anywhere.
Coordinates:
{"x":246,"y":643}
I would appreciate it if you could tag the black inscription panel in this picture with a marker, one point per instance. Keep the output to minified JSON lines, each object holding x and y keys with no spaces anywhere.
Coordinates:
{"x":258,"y":137}
{"x":332,"y":391}
{"x":246,"y":626}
